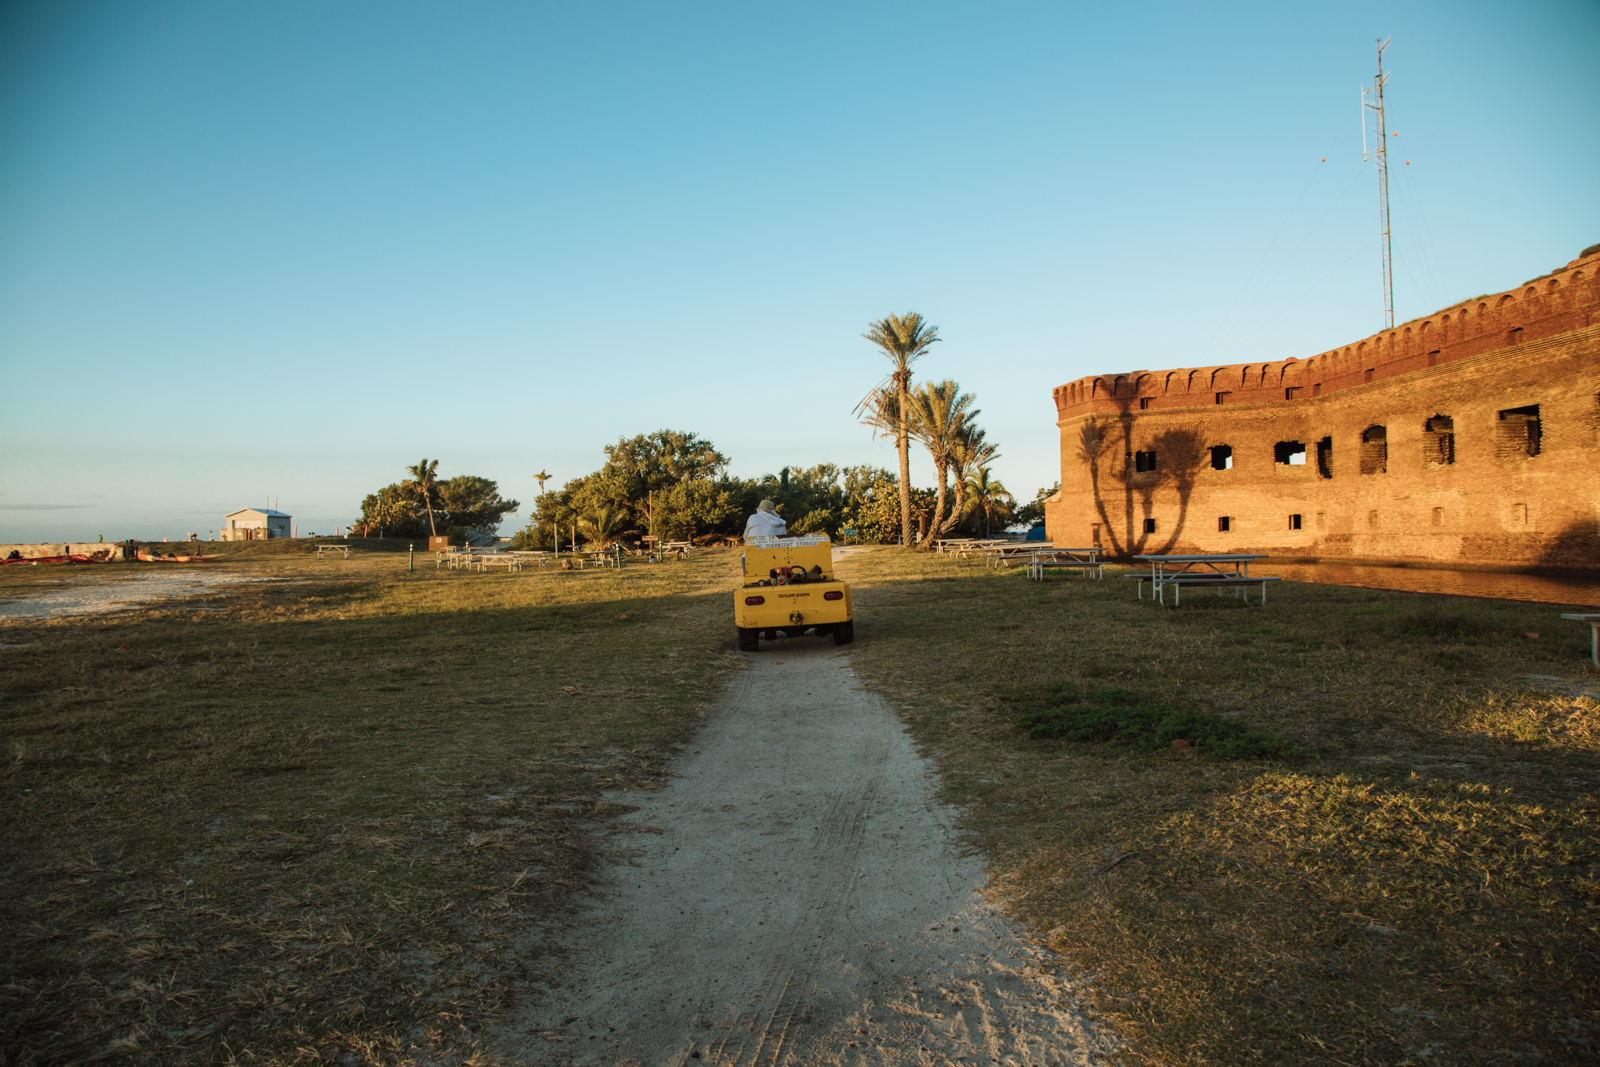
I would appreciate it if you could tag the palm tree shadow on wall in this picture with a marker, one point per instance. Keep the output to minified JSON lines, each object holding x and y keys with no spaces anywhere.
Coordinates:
{"x":1179,"y":455}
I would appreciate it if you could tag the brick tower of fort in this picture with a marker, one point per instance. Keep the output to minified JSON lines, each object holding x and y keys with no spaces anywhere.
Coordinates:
{"x":1469,"y":437}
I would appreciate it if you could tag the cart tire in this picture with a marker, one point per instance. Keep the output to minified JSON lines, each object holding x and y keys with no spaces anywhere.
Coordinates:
{"x":749,"y":639}
{"x":844,"y":632}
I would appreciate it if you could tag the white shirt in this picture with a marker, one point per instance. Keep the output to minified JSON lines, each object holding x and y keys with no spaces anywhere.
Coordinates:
{"x":765,"y":524}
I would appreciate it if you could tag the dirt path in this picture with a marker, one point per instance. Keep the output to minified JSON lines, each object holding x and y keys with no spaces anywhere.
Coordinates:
{"x":797,"y":897}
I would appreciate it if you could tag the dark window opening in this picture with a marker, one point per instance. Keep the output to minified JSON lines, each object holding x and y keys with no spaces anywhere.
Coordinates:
{"x":1221,"y":397}
{"x":1294,"y":522}
{"x":1144,"y":402}
{"x":1370,"y":372}
{"x":1144,"y":461}
{"x":1517,"y":433}
{"x":1316,"y":390}
{"x":1433,"y":358}
{"x":1514,"y":335}
{"x":1519,"y":514}
{"x":1438,"y":516}
{"x":1222,"y":457}
{"x":1439,"y":441}
{"x":1325,"y":457}
{"x":1149,"y":526}
{"x":1224,"y":524}
{"x":1291,"y":392}
{"x":1292,"y":453}
{"x":1374,"y":450}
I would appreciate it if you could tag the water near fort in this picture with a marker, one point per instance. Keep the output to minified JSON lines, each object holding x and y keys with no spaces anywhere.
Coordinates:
{"x":1536,"y":587}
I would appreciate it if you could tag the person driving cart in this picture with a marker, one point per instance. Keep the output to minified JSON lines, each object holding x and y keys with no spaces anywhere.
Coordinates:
{"x":766,"y":522}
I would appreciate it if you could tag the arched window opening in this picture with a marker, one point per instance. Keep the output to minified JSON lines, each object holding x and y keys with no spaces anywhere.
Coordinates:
{"x":1439,"y":441}
{"x":1375,"y":450}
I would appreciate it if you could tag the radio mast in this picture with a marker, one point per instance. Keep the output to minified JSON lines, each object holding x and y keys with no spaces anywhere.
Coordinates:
{"x":1379,"y":155}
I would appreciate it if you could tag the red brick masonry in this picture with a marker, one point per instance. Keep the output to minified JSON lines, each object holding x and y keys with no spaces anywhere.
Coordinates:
{"x":1469,"y":437}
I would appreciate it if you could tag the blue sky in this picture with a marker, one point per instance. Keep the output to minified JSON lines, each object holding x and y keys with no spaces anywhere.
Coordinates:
{"x":253,"y":250}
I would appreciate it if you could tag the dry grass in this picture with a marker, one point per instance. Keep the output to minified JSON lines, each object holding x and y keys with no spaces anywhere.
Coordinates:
{"x":336,"y":818}
{"x":1421,"y":887}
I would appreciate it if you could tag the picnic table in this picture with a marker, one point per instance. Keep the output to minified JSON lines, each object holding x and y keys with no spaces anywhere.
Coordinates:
{"x":1084,"y":559}
{"x":1217,"y":571}
{"x":483,"y":561}
{"x":1594,"y":634}
{"x":998,"y":554}
{"x":333,"y":548}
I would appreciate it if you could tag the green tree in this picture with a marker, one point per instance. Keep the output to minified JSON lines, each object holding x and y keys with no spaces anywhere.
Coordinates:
{"x":602,"y":525}
{"x":424,"y":476}
{"x":1032,"y":513}
{"x":643,"y":466}
{"x":939,"y":413}
{"x":988,"y":499}
{"x":972,"y":450}
{"x":903,"y":339}
{"x":473,"y":504}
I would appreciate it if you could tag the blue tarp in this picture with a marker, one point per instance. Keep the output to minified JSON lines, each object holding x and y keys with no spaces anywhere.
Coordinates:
{"x":1035,"y":534}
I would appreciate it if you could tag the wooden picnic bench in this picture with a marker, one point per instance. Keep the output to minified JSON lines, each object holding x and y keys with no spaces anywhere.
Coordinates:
{"x":998,"y":554}
{"x":332,"y":549}
{"x":1594,"y":634}
{"x":1081,"y":559}
{"x":1217,"y":571}
{"x":482,"y":562}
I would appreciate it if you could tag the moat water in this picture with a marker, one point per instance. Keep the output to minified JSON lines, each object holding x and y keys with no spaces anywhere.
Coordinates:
{"x":1537,"y":587}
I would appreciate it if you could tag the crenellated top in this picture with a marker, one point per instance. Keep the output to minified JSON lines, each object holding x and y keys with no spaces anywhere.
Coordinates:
{"x":1568,"y":299}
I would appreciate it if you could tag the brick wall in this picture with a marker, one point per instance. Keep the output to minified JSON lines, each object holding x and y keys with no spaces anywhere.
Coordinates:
{"x":1471,"y":436}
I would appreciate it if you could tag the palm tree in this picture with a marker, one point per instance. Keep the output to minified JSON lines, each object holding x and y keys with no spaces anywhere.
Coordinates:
{"x":424,"y":480}
{"x":971,"y":451}
{"x":987,"y":497}
{"x":939,"y":415}
{"x":602,"y":525}
{"x":904,"y":339}
{"x":541,"y":478}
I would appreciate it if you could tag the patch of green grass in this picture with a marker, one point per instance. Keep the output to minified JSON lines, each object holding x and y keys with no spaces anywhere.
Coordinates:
{"x":1116,"y":716}
{"x":1063,"y":712}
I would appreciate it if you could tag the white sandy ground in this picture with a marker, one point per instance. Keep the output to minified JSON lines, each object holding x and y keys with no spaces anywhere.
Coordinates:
{"x":79,"y":597}
{"x":797,"y":895}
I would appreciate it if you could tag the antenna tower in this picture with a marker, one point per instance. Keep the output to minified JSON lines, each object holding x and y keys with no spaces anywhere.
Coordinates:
{"x":1379,"y":155}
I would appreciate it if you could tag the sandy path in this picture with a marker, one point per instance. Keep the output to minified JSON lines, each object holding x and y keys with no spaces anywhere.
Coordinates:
{"x":802,"y":902}
{"x":95,"y":597}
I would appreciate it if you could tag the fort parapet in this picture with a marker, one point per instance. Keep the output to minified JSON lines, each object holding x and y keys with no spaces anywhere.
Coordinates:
{"x":1470,"y":437}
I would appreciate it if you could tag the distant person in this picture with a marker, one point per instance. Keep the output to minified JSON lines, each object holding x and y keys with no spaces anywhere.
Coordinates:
{"x":766,"y":522}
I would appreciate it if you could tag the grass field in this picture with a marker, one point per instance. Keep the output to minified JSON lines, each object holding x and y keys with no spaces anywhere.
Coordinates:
{"x":340,"y":815}
{"x":335,"y":815}
{"x":1419,"y":884}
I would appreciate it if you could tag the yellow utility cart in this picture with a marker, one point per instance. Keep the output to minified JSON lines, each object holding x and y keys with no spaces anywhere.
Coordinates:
{"x":789,"y":588}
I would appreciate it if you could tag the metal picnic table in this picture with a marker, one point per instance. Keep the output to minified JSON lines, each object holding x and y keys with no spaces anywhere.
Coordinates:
{"x":333,"y":548}
{"x":1084,"y":559}
{"x":1594,"y":634}
{"x":1217,"y":570}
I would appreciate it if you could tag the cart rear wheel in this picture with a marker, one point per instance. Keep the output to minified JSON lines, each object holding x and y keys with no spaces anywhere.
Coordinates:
{"x":844,"y":632}
{"x":749,"y":639}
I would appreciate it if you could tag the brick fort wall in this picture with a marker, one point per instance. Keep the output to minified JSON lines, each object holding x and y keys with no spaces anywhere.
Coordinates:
{"x":1470,"y":436}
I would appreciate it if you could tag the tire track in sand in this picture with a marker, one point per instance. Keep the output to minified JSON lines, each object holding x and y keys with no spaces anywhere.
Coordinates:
{"x":804,"y":902}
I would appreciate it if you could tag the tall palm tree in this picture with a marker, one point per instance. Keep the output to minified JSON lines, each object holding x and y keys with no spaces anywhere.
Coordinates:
{"x":938,"y":416}
{"x":541,"y":478}
{"x":904,"y":339}
{"x":987,"y":497}
{"x":972,"y":450}
{"x":424,"y":481}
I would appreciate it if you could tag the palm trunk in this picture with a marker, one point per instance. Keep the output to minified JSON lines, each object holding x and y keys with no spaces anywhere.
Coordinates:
{"x":432,"y":530}
{"x":903,"y":440}
{"x":956,"y":505}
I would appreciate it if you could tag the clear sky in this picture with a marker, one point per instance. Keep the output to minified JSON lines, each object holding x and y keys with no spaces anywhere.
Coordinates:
{"x":284,"y":249}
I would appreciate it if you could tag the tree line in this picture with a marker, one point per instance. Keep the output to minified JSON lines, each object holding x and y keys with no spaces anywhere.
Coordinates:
{"x":675,"y":485}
